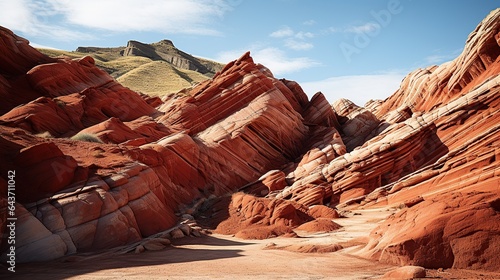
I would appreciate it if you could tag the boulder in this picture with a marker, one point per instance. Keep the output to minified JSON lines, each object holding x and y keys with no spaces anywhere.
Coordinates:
{"x":454,"y":230}
{"x":405,"y":272}
{"x":318,"y":225}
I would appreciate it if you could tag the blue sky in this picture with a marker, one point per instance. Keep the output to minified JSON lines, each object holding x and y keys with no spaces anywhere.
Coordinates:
{"x":353,"y":49}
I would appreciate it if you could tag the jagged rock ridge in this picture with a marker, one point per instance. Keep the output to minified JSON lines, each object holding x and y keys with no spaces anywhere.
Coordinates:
{"x":163,"y":50}
{"x":432,"y":147}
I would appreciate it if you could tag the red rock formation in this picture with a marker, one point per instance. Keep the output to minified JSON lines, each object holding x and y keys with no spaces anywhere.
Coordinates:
{"x":437,"y":138}
{"x":141,"y":130}
{"x":272,"y":181}
{"x":319,"y":225}
{"x":45,"y":169}
{"x":252,"y":217}
{"x":456,"y":230}
{"x":83,"y":196}
{"x":92,"y":97}
{"x":322,"y":211}
{"x":357,"y":124}
{"x":258,"y":218}
{"x":456,"y":224}
{"x":433,"y":146}
{"x":406,"y":272}
{"x":425,"y":89}
{"x":17,"y":58}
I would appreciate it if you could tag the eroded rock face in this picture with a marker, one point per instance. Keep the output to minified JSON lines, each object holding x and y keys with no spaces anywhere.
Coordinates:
{"x":461,"y":188}
{"x":17,"y":59}
{"x":455,"y":230}
{"x":445,"y":128}
{"x":166,"y":51}
{"x":253,"y":217}
{"x":83,"y":196}
{"x":434,"y":86}
{"x":258,"y":218}
{"x":357,"y":124}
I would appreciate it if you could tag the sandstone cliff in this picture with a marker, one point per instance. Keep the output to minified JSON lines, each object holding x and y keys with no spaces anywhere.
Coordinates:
{"x":432,"y":148}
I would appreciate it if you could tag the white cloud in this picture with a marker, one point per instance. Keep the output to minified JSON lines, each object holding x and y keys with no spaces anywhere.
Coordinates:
{"x":285,"y":31}
{"x":439,"y":58}
{"x":357,"y":88}
{"x":333,"y":29}
{"x":309,"y":22}
{"x":38,"y":46}
{"x":166,"y":16}
{"x":435,"y":59}
{"x":303,"y":35}
{"x":297,"y":45}
{"x":368,"y":27}
{"x":273,"y":58}
{"x":15,"y":15}
{"x":59,"y":18}
{"x":364,"y":28}
{"x":288,"y":32}
{"x":32,"y":18}
{"x":279,"y":63}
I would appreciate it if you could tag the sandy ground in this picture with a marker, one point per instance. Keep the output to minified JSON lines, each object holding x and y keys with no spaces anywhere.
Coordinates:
{"x":225,"y":257}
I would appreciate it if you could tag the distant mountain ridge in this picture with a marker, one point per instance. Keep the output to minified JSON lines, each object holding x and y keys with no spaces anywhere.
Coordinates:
{"x":155,"y":69}
{"x":162,"y":50}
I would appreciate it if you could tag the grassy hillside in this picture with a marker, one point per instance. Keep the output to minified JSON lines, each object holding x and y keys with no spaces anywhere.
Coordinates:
{"x":159,"y":78}
{"x":152,"y":77}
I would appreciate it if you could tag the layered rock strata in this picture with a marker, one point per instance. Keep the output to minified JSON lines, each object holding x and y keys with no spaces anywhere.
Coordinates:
{"x":432,"y":149}
{"x":143,"y":162}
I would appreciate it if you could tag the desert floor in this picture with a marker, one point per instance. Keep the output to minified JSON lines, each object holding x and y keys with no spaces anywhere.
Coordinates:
{"x":225,"y":257}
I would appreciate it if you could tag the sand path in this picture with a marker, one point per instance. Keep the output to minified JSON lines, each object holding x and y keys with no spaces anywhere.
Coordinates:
{"x":225,"y":257}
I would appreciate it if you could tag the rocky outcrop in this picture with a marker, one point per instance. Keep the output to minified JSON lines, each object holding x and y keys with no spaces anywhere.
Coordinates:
{"x":166,"y":51}
{"x":135,"y":48}
{"x":253,"y":217}
{"x":453,"y":230}
{"x":453,"y":222}
{"x":357,"y":124}
{"x":17,"y":59}
{"x":74,"y":94}
{"x":218,"y":137}
{"x":445,"y":129}
{"x":156,"y":69}
{"x":17,"y":56}
{"x":434,"y":86}
{"x":259,"y":218}
{"x":406,"y":272}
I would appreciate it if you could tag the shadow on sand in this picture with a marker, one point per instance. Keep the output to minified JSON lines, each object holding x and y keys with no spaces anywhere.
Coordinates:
{"x":63,"y":269}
